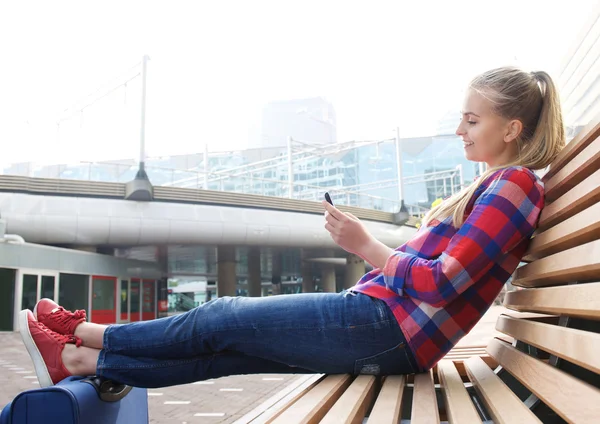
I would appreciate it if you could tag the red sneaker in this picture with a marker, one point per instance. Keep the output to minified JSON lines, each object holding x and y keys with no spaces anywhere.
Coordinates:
{"x":57,"y":318}
{"x":45,"y":348}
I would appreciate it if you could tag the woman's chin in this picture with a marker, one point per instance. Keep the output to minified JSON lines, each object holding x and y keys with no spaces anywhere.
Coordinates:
{"x":469,"y":155}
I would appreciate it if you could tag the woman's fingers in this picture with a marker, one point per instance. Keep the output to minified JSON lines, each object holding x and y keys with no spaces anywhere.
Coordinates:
{"x":333,"y":211}
{"x":330,"y":228}
{"x":352,"y":216}
{"x":331,"y":219}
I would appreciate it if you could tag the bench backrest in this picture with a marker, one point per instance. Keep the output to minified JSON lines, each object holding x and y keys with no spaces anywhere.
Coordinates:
{"x":549,"y":360}
{"x":557,"y":357}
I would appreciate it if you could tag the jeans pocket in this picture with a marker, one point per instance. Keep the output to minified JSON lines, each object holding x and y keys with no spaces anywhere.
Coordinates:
{"x":390,"y":361}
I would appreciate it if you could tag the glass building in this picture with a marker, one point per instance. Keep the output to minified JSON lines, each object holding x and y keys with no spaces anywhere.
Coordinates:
{"x":363,"y":174}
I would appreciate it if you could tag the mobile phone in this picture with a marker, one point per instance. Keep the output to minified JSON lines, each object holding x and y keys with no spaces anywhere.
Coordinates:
{"x":328,"y":198}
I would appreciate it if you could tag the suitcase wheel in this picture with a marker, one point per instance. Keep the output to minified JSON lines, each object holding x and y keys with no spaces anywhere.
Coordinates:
{"x":108,"y":390}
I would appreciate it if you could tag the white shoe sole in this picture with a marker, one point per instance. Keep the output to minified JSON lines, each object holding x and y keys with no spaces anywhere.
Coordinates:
{"x":38,"y":362}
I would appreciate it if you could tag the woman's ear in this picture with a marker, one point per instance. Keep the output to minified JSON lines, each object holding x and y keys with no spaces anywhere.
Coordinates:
{"x":513,"y":130}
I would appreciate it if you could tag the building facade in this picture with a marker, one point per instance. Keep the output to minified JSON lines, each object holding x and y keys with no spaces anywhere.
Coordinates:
{"x":109,"y":288}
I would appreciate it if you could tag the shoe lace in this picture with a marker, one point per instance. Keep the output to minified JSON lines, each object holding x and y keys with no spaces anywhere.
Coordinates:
{"x":62,"y":315}
{"x":63,"y":339}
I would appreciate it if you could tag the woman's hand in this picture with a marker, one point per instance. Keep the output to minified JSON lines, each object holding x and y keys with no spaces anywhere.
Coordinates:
{"x":350,"y":234}
{"x":346,"y":230}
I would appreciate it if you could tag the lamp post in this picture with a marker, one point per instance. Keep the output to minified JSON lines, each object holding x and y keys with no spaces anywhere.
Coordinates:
{"x":140,"y":187}
{"x":142,"y":172}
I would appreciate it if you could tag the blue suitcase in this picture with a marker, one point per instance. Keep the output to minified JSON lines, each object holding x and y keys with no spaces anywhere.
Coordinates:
{"x":77,"y":400}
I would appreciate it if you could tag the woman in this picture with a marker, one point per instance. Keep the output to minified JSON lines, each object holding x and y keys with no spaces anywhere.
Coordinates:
{"x":400,"y":318}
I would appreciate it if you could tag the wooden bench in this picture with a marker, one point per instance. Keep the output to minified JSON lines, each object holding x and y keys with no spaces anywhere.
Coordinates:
{"x":546,"y":369}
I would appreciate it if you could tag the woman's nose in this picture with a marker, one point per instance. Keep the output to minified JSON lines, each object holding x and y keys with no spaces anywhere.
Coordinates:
{"x":459,"y":130}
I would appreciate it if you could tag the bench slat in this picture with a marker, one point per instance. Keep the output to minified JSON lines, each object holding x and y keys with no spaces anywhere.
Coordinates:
{"x":280,"y":401}
{"x":575,"y":171}
{"x":388,"y":403}
{"x":463,"y":357}
{"x":466,"y":352}
{"x":578,"y":263}
{"x":424,"y":405}
{"x":352,"y":406}
{"x":577,"y":346}
{"x":468,"y":346}
{"x":459,"y":407}
{"x":487,"y":359}
{"x":461,"y":350}
{"x":586,"y":136}
{"x":313,"y":406}
{"x":582,"y":196}
{"x":502,"y":404}
{"x":577,"y":230}
{"x":572,"y":399}
{"x":579,"y":300}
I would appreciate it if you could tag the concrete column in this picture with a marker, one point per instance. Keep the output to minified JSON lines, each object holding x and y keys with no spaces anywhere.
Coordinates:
{"x":355,"y":269}
{"x":276,"y":271}
{"x":328,"y":278}
{"x":226,"y":277}
{"x":162,"y":258}
{"x":254,"y":280}
{"x":308,"y":286}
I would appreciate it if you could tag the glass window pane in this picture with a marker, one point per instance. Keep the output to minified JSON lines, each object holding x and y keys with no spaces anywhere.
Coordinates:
{"x":124,"y":303}
{"x":135,"y":296}
{"x":73,"y":291}
{"x":103,"y":294}
{"x":149,"y":297}
{"x":29,"y":297}
{"x":7,"y":298}
{"x":48,"y":286}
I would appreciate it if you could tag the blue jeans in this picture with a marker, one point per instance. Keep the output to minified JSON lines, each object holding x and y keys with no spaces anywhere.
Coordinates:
{"x":332,"y":333}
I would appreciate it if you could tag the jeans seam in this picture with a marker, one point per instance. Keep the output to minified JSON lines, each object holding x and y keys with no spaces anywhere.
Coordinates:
{"x":406,"y":347}
{"x":101,"y":359}
{"x":149,"y":366}
{"x":105,"y":345}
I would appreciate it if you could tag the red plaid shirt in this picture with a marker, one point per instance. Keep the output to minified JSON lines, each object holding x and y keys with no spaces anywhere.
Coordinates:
{"x":441,"y":282}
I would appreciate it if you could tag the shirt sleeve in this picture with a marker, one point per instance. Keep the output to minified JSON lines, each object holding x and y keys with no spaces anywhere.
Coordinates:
{"x":504,"y":214}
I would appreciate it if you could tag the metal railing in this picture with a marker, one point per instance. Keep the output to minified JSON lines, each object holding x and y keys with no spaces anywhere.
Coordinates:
{"x":195,"y":179}
{"x":116,"y":190}
{"x":169,"y":180}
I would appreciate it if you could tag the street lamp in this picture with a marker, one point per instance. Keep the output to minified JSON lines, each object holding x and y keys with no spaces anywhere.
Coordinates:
{"x":140,"y":188}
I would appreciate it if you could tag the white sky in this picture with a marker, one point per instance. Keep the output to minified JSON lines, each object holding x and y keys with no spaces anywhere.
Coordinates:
{"x":214,"y":64}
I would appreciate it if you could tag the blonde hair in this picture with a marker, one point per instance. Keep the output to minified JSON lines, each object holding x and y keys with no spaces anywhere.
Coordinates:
{"x":531,"y":98}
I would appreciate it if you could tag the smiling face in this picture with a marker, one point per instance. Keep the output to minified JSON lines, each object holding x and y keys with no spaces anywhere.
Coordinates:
{"x":487,"y":136}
